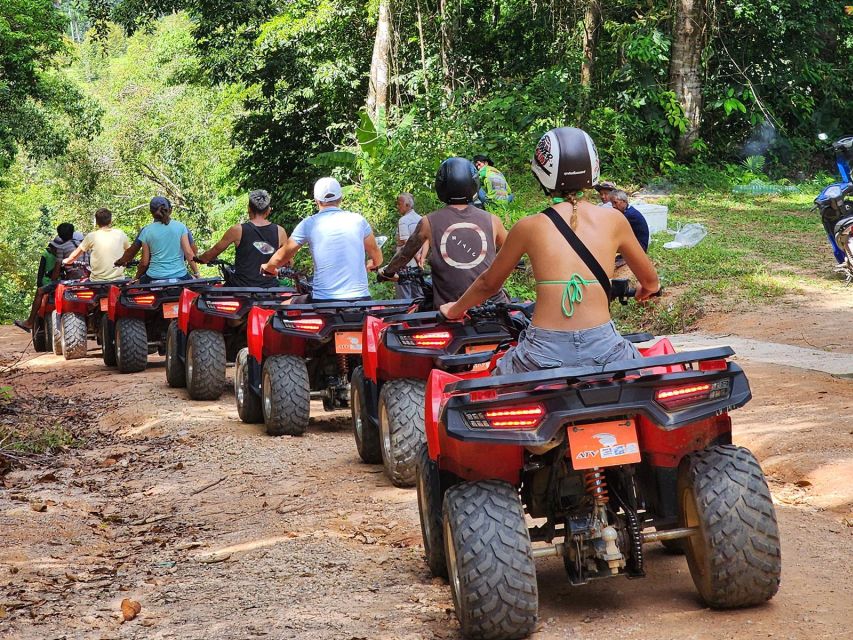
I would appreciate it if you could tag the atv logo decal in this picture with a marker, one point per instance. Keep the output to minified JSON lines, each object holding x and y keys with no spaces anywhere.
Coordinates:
{"x":464,"y":245}
{"x":603,"y":444}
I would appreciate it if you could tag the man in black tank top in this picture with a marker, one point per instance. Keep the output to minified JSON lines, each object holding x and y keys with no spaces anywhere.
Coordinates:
{"x":463,"y":238}
{"x":256,"y":241}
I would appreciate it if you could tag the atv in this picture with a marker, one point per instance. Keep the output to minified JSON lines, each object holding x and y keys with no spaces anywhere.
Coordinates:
{"x":387,"y":391}
{"x":210,"y":331}
{"x":590,"y":464}
{"x":138,"y":318}
{"x":45,"y":336}
{"x":294,"y":349}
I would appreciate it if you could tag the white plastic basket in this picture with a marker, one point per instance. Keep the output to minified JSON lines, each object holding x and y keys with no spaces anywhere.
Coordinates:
{"x":655,"y":215}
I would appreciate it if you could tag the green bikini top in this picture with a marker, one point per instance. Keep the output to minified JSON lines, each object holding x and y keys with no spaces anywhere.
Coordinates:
{"x":573,"y":292}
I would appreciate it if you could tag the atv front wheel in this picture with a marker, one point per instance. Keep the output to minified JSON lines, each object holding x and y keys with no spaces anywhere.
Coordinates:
{"x":248,"y":403}
{"x":430,"y":495}
{"x":366,"y":434}
{"x":108,"y":341}
{"x":40,"y":334}
{"x":74,"y":336}
{"x":205,"y":364}
{"x":490,"y":561}
{"x":735,"y":557}
{"x":401,"y":424}
{"x":176,"y":374}
{"x":56,"y":333}
{"x":286,"y":395}
{"x":131,"y":340}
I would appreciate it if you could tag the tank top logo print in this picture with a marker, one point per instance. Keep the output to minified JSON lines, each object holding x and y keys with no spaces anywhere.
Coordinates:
{"x":264,"y":247}
{"x":464,"y":245}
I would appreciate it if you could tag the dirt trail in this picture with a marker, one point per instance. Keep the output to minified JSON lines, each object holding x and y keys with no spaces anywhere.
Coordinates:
{"x":222,"y":532}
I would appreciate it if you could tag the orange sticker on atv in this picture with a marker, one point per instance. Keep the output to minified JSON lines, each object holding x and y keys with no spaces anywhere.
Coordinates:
{"x":348,"y":342}
{"x":170,"y":309}
{"x":480,"y":348}
{"x":603,"y":444}
{"x":105,"y":304}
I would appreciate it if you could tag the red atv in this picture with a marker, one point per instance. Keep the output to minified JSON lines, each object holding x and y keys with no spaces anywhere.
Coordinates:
{"x":45,"y":336}
{"x":81,"y":312}
{"x":138,"y":318}
{"x":590,"y":464}
{"x":296,"y":349}
{"x":210,"y":330}
{"x":387,"y":392}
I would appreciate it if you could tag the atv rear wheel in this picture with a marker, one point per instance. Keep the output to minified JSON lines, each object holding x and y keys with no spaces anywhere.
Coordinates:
{"x":74,"y":335}
{"x":248,"y":403}
{"x":490,"y":561}
{"x":430,"y":495}
{"x":401,"y":424}
{"x":176,"y":374}
{"x":40,"y":334}
{"x":286,"y":395}
{"x":108,"y":341}
{"x":131,"y":340}
{"x":205,"y":364}
{"x":56,"y":333}
{"x":366,"y":433}
{"x":735,"y":558}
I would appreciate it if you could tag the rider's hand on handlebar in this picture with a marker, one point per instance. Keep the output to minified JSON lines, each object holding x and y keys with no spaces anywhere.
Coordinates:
{"x":198,"y":260}
{"x":382,"y":277}
{"x":370,"y":266}
{"x":643,"y":294}
{"x":269,"y":271}
{"x":446,"y":311}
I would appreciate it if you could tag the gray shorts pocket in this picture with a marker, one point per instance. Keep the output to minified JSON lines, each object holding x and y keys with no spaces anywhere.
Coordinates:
{"x":622,"y":350}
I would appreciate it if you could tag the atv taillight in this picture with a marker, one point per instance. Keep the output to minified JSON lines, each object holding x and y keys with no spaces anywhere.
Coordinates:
{"x":312,"y":325}
{"x":82,"y":294}
{"x":225,"y":306}
{"x":145,"y":300}
{"x":672,"y":398}
{"x":524,"y":417}
{"x":427,"y":339}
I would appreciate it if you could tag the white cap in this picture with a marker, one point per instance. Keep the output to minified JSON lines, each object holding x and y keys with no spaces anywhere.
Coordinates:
{"x":327,"y":190}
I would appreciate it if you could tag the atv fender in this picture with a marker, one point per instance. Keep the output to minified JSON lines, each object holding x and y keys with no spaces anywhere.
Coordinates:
{"x":370,"y":347}
{"x":258,"y":320}
{"x":185,"y":304}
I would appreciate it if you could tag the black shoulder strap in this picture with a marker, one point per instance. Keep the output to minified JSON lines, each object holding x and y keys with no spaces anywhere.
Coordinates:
{"x":580,"y":248}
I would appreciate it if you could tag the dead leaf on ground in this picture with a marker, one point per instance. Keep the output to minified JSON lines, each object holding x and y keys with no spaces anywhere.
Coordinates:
{"x":803,"y":483}
{"x":130,"y":609}
{"x":38,"y":506}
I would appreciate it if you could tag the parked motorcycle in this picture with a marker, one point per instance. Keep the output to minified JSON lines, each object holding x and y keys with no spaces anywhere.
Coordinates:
{"x":836,"y":211}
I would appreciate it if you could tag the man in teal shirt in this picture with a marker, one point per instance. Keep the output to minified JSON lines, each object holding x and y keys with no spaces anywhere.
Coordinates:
{"x":166,"y":247}
{"x":493,"y":186}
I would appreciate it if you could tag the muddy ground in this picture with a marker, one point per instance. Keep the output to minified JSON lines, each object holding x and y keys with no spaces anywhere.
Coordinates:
{"x":219,"y":531}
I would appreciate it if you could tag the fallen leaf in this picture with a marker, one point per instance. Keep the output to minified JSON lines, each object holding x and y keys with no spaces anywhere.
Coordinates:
{"x":130,"y":609}
{"x":108,"y":462}
{"x":803,"y":483}
{"x":38,"y":506}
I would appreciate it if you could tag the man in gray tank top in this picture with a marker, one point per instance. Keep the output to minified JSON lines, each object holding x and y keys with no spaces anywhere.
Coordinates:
{"x":463,"y":238}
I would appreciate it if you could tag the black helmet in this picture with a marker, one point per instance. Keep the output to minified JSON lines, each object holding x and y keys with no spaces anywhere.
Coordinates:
{"x":565,"y":160}
{"x":456,"y":181}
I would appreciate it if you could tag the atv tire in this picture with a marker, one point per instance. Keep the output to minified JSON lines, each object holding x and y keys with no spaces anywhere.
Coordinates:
{"x":248,"y":403}
{"x":131,"y":340}
{"x":108,"y":341}
{"x":40,"y":334}
{"x":56,"y":333}
{"x":490,"y":561}
{"x":205,"y":364}
{"x":430,"y":496}
{"x":286,"y":395}
{"x":366,"y":434}
{"x":401,"y":426}
{"x":735,"y":558}
{"x":176,"y":374}
{"x":74,"y":336}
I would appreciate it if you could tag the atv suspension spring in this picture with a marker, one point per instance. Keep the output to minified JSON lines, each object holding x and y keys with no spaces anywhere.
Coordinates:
{"x":596,"y":485}
{"x":343,"y":366}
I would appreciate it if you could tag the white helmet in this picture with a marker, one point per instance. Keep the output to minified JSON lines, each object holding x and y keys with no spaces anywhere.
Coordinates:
{"x":565,"y":160}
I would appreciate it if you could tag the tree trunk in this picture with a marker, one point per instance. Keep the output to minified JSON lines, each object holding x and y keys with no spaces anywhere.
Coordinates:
{"x":446,"y":45}
{"x":591,"y":28}
{"x":423,"y":47}
{"x":377,"y":92}
{"x":685,"y":69}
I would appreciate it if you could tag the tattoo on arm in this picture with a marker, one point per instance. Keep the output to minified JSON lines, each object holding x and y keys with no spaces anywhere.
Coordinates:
{"x":407,"y":251}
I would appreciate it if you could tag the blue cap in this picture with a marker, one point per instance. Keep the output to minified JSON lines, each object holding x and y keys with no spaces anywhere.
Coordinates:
{"x":158,"y":202}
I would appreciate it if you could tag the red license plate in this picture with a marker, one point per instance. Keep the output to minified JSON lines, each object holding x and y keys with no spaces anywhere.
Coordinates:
{"x":348,"y":342}
{"x":170,"y":309}
{"x":105,"y":304}
{"x":603,"y":444}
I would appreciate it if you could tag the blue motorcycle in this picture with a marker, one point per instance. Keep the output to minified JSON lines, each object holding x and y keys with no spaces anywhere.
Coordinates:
{"x":836,"y":212}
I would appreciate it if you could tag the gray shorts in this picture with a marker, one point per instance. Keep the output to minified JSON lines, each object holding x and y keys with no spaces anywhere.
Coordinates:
{"x":539,"y":348}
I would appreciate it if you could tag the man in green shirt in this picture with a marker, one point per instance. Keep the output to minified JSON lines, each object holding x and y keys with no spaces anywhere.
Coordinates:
{"x":493,"y":186}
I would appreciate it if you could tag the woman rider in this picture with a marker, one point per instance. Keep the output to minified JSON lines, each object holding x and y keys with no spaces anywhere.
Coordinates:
{"x":571,"y":325}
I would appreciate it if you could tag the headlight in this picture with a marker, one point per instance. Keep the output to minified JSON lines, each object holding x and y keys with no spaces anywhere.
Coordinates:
{"x":833,"y":192}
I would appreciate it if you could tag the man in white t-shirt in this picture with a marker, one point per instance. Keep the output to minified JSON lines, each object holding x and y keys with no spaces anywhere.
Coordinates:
{"x":105,"y":245}
{"x":406,"y":226}
{"x":339,"y":241}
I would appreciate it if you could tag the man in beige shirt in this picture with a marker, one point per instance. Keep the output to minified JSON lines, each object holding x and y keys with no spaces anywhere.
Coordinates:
{"x":105,"y":245}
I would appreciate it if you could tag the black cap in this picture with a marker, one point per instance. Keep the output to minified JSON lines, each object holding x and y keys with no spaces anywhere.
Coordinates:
{"x":159,"y":202}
